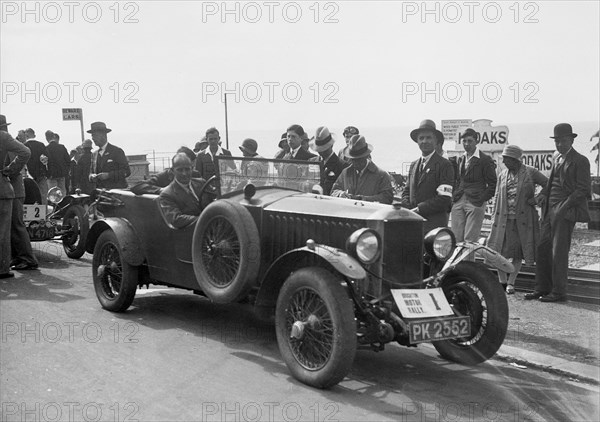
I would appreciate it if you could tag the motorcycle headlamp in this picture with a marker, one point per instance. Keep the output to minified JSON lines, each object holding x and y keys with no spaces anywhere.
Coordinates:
{"x":55,"y":195}
{"x":365,"y":245}
{"x":440,"y":242}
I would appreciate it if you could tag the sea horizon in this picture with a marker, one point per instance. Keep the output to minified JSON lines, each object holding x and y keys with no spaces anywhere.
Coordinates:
{"x":393,"y":149}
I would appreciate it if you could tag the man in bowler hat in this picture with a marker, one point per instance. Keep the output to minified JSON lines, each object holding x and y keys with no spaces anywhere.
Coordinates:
{"x":110,"y":167}
{"x":428,"y":191}
{"x":567,"y":192}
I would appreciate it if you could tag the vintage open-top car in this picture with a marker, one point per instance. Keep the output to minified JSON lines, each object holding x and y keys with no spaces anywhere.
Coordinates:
{"x":65,"y":217}
{"x":335,"y":273}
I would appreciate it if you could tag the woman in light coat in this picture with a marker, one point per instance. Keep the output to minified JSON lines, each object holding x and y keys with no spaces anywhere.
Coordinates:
{"x":516,"y":227}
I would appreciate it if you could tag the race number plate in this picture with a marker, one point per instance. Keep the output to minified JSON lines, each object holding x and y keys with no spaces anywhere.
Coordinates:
{"x":439,"y":329}
{"x":34,"y":212}
{"x":422,"y":303}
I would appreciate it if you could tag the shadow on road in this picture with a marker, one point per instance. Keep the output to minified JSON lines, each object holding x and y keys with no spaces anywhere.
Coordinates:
{"x":416,"y":375}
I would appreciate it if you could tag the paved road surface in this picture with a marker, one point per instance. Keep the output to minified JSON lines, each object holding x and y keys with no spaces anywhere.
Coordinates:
{"x":176,"y":356}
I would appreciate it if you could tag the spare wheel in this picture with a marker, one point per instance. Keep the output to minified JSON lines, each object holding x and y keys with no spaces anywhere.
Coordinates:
{"x":226,"y":251}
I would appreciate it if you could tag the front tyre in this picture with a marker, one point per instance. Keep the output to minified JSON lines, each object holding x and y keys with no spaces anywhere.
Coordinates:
{"x":316,"y":328}
{"x":474,"y":291}
{"x":74,"y":241}
{"x":115,"y":281}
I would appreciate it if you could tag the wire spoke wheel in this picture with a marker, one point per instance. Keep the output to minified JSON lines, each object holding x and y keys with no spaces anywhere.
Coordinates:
{"x":474,"y":291}
{"x":221,"y":252}
{"x":115,"y":280}
{"x":313,"y":349}
{"x":316,"y":327}
{"x":112,"y":272}
{"x":75,"y":238}
{"x":226,"y":251}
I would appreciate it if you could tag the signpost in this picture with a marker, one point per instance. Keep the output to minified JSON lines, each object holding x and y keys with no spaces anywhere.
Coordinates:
{"x":74,"y":114}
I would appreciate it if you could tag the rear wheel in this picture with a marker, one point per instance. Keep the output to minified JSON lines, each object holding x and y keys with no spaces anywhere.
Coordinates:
{"x":316,"y":328}
{"x":74,"y":241}
{"x":115,"y":281}
{"x":473,"y":291}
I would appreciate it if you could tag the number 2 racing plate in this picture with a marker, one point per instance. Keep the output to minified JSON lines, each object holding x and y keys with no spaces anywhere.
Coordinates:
{"x":439,"y":329}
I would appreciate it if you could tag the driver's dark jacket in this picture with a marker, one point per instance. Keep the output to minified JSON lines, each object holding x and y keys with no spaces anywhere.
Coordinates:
{"x":179,"y":207}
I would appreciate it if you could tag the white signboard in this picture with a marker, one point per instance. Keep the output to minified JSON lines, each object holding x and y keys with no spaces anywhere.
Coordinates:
{"x":71,"y":113}
{"x":491,"y":138}
{"x":34,"y":212}
{"x":541,"y":160}
{"x":450,"y":128}
{"x":422,"y":303}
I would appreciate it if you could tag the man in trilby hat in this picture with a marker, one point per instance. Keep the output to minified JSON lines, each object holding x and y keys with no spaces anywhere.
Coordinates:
{"x":363,"y":180}
{"x":428,"y":190}
{"x":475,"y":185}
{"x":332,"y":165}
{"x":110,"y":167}
{"x":567,"y":192}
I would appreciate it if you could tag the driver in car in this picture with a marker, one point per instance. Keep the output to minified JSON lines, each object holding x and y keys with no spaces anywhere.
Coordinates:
{"x":183,"y":200}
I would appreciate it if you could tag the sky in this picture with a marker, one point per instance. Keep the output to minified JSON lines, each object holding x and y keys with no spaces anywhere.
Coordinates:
{"x":156,"y":71}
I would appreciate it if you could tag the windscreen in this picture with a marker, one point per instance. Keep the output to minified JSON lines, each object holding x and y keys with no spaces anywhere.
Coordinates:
{"x":237,"y":172}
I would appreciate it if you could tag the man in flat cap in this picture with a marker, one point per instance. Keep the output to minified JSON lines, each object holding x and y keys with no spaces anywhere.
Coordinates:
{"x":567,"y":192}
{"x":475,"y":185}
{"x":363,"y":180}
{"x":110,"y":167}
{"x":428,"y":191}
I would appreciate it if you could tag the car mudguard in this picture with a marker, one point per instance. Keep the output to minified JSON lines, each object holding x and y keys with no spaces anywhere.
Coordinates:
{"x":131,"y":247}
{"x":316,"y":255}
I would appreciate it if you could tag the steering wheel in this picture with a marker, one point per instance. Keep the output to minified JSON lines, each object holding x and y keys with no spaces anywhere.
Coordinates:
{"x":212,"y":181}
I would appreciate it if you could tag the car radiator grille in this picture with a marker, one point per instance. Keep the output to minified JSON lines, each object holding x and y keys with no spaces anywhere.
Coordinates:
{"x":403,"y":253}
{"x":290,"y":231}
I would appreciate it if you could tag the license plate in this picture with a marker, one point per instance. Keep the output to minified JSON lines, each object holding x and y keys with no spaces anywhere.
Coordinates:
{"x":34,"y":212}
{"x":439,"y":329}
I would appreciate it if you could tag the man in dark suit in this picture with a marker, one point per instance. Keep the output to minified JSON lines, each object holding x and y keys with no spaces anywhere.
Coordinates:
{"x":295,"y":133}
{"x":110,"y":167}
{"x":475,"y":185}
{"x":182,"y":201}
{"x":58,"y":162}
{"x":206,"y":162}
{"x":22,"y":253}
{"x":38,"y":163}
{"x":7,"y":193}
{"x":567,"y":192}
{"x":332,"y":165}
{"x":428,"y":191}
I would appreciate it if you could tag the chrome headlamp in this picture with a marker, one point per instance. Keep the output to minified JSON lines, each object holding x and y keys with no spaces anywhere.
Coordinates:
{"x":365,"y":245}
{"x":440,"y":242}
{"x":55,"y":195}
